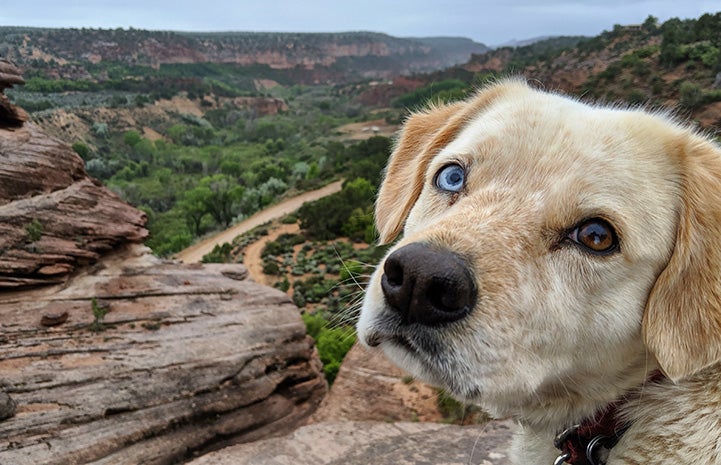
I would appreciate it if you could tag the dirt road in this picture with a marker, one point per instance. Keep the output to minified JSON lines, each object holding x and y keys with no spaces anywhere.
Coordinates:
{"x":195,"y":252}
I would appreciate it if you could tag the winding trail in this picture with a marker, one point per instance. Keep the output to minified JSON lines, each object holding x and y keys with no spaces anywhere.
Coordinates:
{"x":195,"y":252}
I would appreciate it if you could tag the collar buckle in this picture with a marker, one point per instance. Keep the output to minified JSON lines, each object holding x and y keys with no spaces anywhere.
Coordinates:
{"x":571,"y":446}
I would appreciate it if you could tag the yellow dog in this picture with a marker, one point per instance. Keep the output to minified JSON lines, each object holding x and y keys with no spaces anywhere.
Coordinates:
{"x":560,"y":264}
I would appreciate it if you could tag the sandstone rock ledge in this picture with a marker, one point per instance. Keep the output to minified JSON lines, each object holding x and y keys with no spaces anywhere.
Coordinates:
{"x":374,"y":443}
{"x":54,"y":219}
{"x":191,"y":358}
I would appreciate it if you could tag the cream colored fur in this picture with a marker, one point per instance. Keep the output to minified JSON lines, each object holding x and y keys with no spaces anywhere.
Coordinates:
{"x":557,"y":332}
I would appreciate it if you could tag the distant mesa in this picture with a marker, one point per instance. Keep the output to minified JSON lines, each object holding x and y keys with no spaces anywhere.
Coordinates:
{"x":343,"y":55}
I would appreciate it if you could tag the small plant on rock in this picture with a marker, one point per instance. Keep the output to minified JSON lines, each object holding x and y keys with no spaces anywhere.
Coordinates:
{"x":99,"y":312}
{"x":34,"y":230}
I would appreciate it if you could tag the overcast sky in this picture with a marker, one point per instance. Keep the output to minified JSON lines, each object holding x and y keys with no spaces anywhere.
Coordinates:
{"x":492,"y":23}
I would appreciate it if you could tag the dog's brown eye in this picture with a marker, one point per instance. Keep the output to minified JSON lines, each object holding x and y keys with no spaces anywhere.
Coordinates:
{"x":596,"y":235}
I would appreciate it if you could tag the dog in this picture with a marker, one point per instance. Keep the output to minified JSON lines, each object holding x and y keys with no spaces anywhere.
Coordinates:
{"x":560,"y":264}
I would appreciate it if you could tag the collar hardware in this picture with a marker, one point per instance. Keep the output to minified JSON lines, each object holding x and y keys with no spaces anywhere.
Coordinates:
{"x":578,"y":448}
{"x":584,"y":443}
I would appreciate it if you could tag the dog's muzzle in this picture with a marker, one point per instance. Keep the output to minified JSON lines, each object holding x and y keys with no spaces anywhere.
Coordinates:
{"x":427,"y":286}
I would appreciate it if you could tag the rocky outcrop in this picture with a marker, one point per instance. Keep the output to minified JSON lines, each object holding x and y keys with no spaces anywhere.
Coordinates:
{"x":185,"y":359}
{"x":10,"y":115}
{"x":54,"y":219}
{"x":109,"y":355}
{"x":377,"y":443}
{"x":370,"y":388}
{"x":261,"y":105}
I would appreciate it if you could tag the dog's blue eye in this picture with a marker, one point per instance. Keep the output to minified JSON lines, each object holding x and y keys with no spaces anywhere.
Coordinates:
{"x":451,"y":178}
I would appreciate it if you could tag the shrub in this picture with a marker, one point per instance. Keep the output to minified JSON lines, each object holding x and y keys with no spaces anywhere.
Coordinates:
{"x":82,"y":149}
{"x":270,"y":267}
{"x":332,"y":343}
{"x":636,"y":97}
{"x":690,"y":95}
{"x":314,"y":323}
{"x":34,"y":230}
{"x":351,"y":269}
{"x":298,"y":298}
{"x":283,"y":285}
{"x":289,"y":219}
{"x":99,"y":312}
{"x":219,"y":254}
{"x":712,"y":96}
{"x":282,"y":245}
{"x":357,"y":224}
{"x":457,"y":412}
{"x":271,"y":248}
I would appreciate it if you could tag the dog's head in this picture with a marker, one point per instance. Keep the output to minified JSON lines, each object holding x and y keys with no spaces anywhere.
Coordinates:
{"x":552,"y":252}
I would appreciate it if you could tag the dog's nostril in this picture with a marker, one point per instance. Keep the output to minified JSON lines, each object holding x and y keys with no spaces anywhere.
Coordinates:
{"x":447,"y":296}
{"x":393,"y":272}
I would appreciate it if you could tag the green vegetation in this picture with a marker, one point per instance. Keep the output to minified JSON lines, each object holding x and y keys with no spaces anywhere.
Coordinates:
{"x":639,"y":65}
{"x":457,"y":412}
{"x":219,"y":254}
{"x":439,"y":92}
{"x":542,"y":50}
{"x":347,"y":212}
{"x":692,"y":42}
{"x":99,"y":312}
{"x":34,"y":230}
{"x":332,"y":343}
{"x":209,"y":172}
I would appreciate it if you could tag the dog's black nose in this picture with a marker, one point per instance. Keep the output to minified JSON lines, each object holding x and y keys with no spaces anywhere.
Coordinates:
{"x":427,"y":286}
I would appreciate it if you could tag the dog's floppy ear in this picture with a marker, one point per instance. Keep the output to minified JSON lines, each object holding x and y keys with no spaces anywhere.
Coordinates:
{"x":406,"y":168}
{"x":423,"y":135}
{"x":682,"y":322}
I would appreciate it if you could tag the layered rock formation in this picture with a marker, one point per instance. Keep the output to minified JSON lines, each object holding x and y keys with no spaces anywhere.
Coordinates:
{"x":341,"y":54}
{"x":376,"y":443}
{"x":111,"y":356}
{"x":54,"y":219}
{"x":370,"y":388}
{"x":10,"y":115}
{"x":188,"y":359}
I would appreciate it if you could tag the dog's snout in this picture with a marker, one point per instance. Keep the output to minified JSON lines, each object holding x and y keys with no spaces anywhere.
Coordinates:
{"x":427,"y":286}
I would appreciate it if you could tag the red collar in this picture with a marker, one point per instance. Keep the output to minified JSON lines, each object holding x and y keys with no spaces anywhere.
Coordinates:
{"x":581,"y":444}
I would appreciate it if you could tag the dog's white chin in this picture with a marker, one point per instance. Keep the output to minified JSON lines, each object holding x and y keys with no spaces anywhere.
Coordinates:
{"x":411,"y":363}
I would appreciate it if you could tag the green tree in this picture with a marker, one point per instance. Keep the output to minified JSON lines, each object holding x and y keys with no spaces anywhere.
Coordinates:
{"x":131,"y":138}
{"x":82,"y":149}
{"x":313,"y":171}
{"x":222,"y":197}
{"x":360,"y":220}
{"x":144,"y":149}
{"x":176,"y":133}
{"x":650,"y":24}
{"x":325,"y":218}
{"x":691,"y":94}
{"x":194,"y":205}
